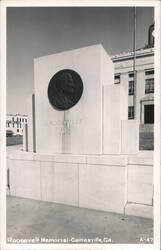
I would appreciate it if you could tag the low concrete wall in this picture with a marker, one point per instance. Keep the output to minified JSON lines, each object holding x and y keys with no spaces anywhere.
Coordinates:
{"x":106,"y":183}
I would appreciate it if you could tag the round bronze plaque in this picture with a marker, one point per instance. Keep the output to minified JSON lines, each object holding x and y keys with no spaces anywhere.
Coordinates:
{"x":65,"y":89}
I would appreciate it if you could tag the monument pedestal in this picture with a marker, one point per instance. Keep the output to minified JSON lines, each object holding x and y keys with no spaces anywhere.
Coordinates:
{"x":107,"y":183}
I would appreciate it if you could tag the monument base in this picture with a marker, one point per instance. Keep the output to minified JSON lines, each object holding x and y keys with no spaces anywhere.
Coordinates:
{"x":106,"y":182}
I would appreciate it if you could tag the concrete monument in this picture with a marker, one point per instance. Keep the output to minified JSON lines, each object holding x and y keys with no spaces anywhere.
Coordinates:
{"x":69,"y":100}
{"x":81,"y":138}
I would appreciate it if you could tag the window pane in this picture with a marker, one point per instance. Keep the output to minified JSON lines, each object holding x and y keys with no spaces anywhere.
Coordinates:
{"x":131,"y":112}
{"x":131,"y":74}
{"x":117,"y":79}
{"x":131,"y":87}
{"x":149,"y":72}
{"x":149,"y":86}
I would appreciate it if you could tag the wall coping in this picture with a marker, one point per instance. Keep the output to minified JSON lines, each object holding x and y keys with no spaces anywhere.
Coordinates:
{"x":112,"y":160}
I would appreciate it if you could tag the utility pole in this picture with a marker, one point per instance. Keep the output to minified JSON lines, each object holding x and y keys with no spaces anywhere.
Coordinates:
{"x":134,"y":59}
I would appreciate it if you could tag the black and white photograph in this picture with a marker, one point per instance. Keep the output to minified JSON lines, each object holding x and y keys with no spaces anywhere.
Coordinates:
{"x":80,"y":124}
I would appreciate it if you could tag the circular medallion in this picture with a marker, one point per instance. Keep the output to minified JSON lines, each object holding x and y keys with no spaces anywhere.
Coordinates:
{"x":65,"y":89}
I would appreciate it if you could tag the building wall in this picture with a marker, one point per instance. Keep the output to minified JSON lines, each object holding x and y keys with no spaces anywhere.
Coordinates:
{"x":123,"y":65}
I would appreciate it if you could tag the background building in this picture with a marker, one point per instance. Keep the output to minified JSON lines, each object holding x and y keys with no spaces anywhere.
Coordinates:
{"x":141,"y":93}
{"x":16,"y":123}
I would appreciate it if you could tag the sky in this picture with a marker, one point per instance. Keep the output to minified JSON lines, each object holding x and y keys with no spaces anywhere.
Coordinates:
{"x":39,"y":31}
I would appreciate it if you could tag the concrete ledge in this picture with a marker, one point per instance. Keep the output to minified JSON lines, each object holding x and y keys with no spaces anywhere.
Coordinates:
{"x":41,"y":157}
{"x":63,"y":158}
{"x":67,"y":158}
{"x":14,"y":155}
{"x":107,"y":160}
{"x":115,"y":160}
{"x":134,"y":160}
{"x":139,"y":210}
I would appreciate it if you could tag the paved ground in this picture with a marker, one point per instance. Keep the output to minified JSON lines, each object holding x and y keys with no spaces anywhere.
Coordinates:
{"x":27,"y":219}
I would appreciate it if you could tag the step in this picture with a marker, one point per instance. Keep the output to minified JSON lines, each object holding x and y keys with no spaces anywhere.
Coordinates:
{"x":139,"y":210}
{"x":146,"y":141}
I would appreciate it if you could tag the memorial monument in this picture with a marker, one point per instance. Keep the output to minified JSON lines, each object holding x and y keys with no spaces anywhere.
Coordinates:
{"x":78,"y":109}
{"x":80,"y":143}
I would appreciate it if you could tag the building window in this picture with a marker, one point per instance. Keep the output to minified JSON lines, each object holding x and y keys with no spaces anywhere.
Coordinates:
{"x":22,"y":120}
{"x":149,"y":72}
{"x":117,"y":79}
{"x":131,"y":112}
{"x":131,"y":83}
{"x":149,"y":81}
{"x":25,"y":120}
{"x":149,"y":86}
{"x":17,"y":130}
{"x":131,"y":87}
{"x":131,"y":74}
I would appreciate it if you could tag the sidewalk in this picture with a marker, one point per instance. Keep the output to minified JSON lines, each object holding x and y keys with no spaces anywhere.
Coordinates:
{"x":27,"y":219}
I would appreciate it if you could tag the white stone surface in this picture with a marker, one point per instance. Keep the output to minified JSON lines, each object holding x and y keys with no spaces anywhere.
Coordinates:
{"x":30,"y":124}
{"x":47,"y":180}
{"x":139,"y":210}
{"x":142,"y":160}
{"x":106,"y":61}
{"x":43,"y":157}
{"x":140,"y":184}
{"x":107,"y":160}
{"x":97,"y":182}
{"x":112,"y":120}
{"x":85,"y":134}
{"x":25,"y":138}
{"x":70,"y":158}
{"x":20,"y":155}
{"x":102,"y":187}
{"x":129,"y":137}
{"x":25,"y":179}
{"x":66,"y":183}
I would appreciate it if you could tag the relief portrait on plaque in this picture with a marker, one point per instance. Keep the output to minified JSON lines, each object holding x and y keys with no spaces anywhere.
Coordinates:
{"x":65,"y":89}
